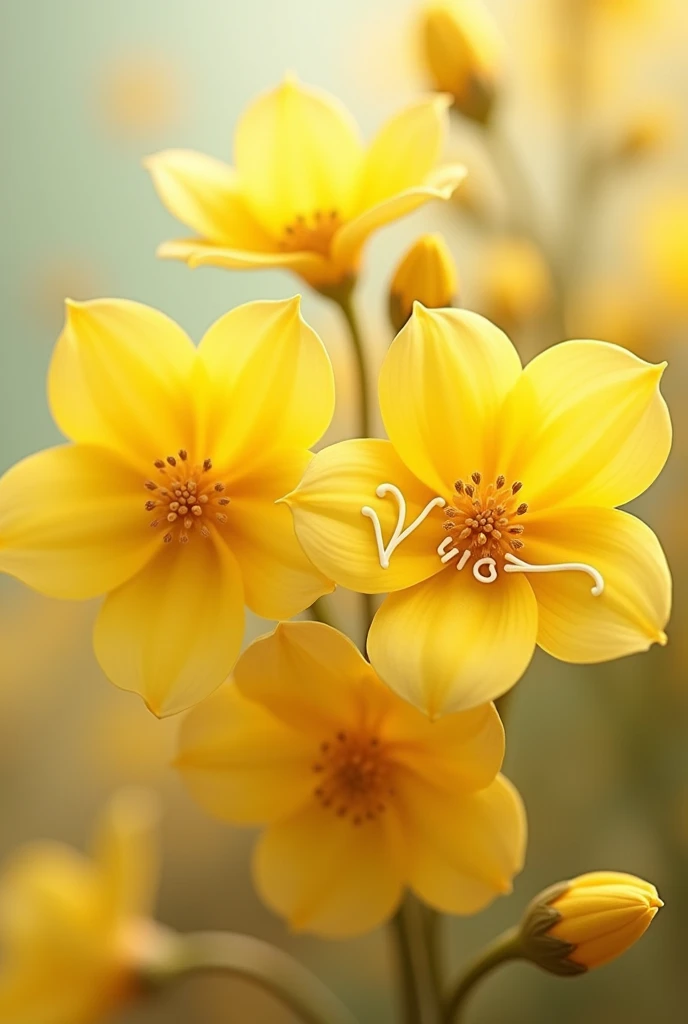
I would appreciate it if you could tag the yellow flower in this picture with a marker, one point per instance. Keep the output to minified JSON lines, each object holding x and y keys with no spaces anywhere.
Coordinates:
{"x":577,"y":925}
{"x":515,"y":283}
{"x":305,"y":194}
{"x":166,"y":502}
{"x":510,"y":476}
{"x":361,"y":794}
{"x":426,"y":274}
{"x":464,"y":54}
{"x":75,"y":930}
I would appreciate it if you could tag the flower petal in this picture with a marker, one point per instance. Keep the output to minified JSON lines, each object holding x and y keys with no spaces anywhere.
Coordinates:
{"x":466,"y":852}
{"x":349,"y":239}
{"x":311,"y":677}
{"x":328,"y":877}
{"x":297,"y":151}
{"x":451,"y":643}
{"x":173,"y":633}
{"x":593,"y":427}
{"x":279,"y":579}
{"x":270,"y":385}
{"x":120,"y":376}
{"x":127,"y":853}
{"x":204,"y":194}
{"x":72,"y":522}
{"x":338,"y":483}
{"x":633,"y":610}
{"x":442,"y":387}
{"x":198,"y":253}
{"x":242,"y":764}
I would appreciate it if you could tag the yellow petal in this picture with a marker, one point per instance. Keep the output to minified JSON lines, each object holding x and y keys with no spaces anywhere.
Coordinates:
{"x":270,"y":385}
{"x":120,"y":377}
{"x":72,"y":522}
{"x":327,"y":876}
{"x":593,"y":427}
{"x":204,"y":194}
{"x":451,"y":643}
{"x":633,"y":610}
{"x":349,"y":239}
{"x":442,"y":386}
{"x":466,"y":852}
{"x":242,"y":764}
{"x":340,"y":540}
{"x":297,"y":151}
{"x":198,"y":253}
{"x":601,"y":950}
{"x":173,"y":633}
{"x":405,"y":151}
{"x":313,"y":678}
{"x":279,"y":579}
{"x":126,"y":851}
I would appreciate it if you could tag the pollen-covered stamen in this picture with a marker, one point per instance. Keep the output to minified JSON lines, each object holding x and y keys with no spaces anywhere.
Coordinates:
{"x":482,"y":517}
{"x":355,"y":776}
{"x":311,"y":234}
{"x":187,"y":498}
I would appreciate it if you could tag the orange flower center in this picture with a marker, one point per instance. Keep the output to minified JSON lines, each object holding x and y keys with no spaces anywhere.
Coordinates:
{"x":355,"y":772}
{"x":484,"y":518}
{"x":187,"y":499}
{"x":311,"y":234}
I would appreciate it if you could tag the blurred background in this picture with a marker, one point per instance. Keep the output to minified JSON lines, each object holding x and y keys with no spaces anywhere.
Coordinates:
{"x":589,"y":153}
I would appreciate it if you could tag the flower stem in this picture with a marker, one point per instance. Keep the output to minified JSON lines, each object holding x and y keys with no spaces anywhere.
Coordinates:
{"x":345,"y":300}
{"x":320,"y":613}
{"x":261,"y":964}
{"x":420,"y":1001}
{"x":505,"y":947}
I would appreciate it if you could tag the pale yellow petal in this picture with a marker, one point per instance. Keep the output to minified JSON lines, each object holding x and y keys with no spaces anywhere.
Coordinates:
{"x":126,"y":852}
{"x":72,"y":521}
{"x":120,"y":378}
{"x":279,"y":578}
{"x":590,"y":426}
{"x":452,"y":643}
{"x":631,"y":613}
{"x":270,"y":385}
{"x":340,"y":540}
{"x":204,"y":194}
{"x":241,"y":763}
{"x":173,"y":633}
{"x":466,"y":851}
{"x":442,"y":386}
{"x":297,"y":151}
{"x":199,"y":253}
{"x":327,"y":876}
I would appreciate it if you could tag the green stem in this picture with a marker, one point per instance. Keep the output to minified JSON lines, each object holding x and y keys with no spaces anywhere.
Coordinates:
{"x":505,"y":947}
{"x":319,"y":612}
{"x":421,"y":1005}
{"x":344,"y":297}
{"x":406,"y":969}
{"x":261,"y":964}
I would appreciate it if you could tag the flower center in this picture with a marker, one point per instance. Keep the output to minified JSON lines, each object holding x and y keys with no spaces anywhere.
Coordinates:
{"x":483,"y":518}
{"x":311,"y":234}
{"x":355,"y":775}
{"x":186,"y":499}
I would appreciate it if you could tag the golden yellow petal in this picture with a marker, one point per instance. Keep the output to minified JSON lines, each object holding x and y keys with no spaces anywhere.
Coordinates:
{"x":199,"y":253}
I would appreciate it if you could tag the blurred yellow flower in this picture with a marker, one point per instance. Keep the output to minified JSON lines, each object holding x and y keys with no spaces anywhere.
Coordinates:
{"x":463,"y":52}
{"x":514,"y":282}
{"x":425,"y":274}
{"x":166,"y":502}
{"x":140,"y":93}
{"x":75,"y":930}
{"x":664,"y":248}
{"x":305,"y":194}
{"x":361,"y":795}
{"x":578,"y":925}
{"x":486,"y":463}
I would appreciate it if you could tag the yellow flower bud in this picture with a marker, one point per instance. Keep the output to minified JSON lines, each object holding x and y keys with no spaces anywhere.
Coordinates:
{"x":463,"y":52}
{"x":514,"y":281}
{"x":426,"y":274}
{"x":584,"y":923}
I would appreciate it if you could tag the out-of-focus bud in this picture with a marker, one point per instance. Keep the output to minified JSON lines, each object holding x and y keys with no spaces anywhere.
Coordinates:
{"x":464,"y":54}
{"x":647,"y":133}
{"x":426,"y":274}
{"x":514,"y":283}
{"x":577,"y":925}
{"x":663,"y":247}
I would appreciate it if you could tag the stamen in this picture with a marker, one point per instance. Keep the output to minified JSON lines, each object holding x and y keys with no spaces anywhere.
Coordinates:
{"x":183,"y":501}
{"x":476,"y":478}
{"x":171,"y":459}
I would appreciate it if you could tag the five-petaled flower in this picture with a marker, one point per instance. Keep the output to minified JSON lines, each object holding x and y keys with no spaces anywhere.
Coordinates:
{"x":361,"y":794}
{"x":305,"y":194}
{"x":166,"y":502}
{"x":518,"y":472}
{"x":76,"y":931}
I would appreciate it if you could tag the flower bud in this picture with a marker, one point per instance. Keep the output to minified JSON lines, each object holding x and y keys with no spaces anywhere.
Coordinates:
{"x":463,"y":52}
{"x":515,"y":283}
{"x":577,"y":925}
{"x":426,"y":274}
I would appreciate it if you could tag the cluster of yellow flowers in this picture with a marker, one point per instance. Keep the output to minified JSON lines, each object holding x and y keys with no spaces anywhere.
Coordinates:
{"x":489,"y":517}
